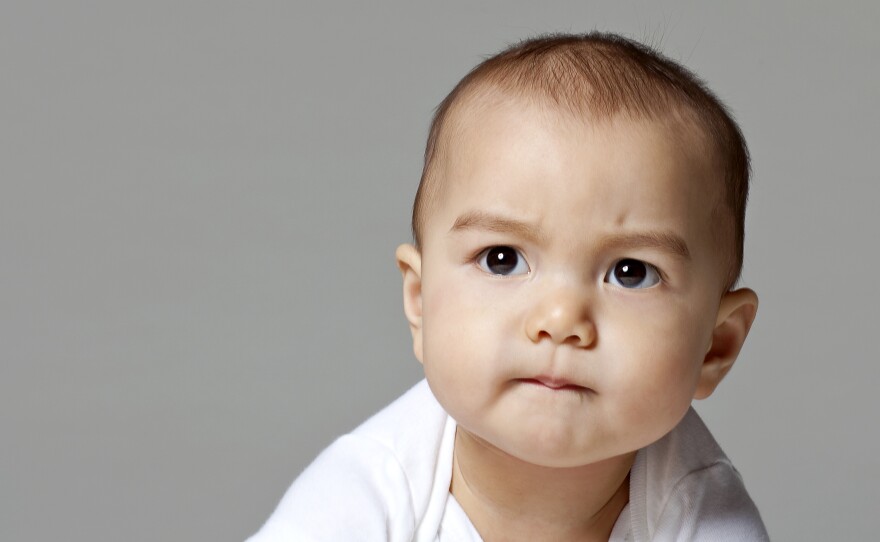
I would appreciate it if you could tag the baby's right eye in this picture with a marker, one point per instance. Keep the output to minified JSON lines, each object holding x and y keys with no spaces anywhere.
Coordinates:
{"x":503,"y":260}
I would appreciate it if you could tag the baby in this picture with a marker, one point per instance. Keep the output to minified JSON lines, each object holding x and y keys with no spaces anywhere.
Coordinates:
{"x":578,"y":236}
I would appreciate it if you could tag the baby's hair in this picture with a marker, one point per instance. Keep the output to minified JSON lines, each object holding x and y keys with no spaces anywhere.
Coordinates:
{"x":599,"y":76}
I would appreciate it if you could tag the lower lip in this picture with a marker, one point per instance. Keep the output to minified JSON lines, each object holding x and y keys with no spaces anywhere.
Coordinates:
{"x":564,"y":387}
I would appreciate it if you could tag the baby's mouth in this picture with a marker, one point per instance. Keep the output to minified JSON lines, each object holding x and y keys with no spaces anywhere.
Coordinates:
{"x":553,"y":383}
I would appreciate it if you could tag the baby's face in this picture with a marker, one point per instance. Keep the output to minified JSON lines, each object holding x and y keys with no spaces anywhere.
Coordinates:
{"x":570,"y":283}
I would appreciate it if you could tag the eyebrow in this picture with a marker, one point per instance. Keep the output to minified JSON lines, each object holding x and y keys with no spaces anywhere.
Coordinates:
{"x":665,"y":241}
{"x":662,"y":240}
{"x":479,"y":220}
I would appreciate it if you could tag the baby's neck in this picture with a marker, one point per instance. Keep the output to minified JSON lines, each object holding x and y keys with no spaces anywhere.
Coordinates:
{"x":509,"y":499}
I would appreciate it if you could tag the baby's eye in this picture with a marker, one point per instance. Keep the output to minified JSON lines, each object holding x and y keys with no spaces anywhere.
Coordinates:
{"x":502,"y":260}
{"x":635,"y":274}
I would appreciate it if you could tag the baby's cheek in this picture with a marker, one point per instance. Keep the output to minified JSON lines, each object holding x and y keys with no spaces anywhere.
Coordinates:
{"x":447,"y":329}
{"x":448,"y":293}
{"x":658,"y":365}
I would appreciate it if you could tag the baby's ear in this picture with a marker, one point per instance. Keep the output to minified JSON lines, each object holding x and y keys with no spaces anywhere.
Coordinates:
{"x":409,"y":260}
{"x":735,"y":316}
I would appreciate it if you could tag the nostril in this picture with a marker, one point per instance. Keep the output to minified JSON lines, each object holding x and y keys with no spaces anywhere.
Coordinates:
{"x":576,"y":340}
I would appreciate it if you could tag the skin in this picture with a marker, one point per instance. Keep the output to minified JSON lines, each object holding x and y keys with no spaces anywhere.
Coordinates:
{"x":557,"y":373}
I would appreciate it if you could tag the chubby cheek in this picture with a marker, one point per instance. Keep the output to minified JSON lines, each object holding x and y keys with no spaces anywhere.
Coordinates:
{"x":459,"y":341}
{"x":656,"y":369}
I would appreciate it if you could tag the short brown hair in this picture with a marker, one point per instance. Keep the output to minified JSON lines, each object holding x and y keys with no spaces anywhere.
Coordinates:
{"x":603,"y":75}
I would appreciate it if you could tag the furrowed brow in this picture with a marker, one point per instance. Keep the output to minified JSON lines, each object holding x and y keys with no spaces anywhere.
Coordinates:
{"x":665,"y":241}
{"x":479,"y":220}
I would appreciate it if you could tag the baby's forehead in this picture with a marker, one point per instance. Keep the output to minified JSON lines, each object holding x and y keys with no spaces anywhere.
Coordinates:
{"x":484,"y":116}
{"x":504,"y":154}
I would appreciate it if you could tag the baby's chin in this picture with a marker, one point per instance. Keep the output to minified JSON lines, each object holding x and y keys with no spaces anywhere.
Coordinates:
{"x":543,"y":450}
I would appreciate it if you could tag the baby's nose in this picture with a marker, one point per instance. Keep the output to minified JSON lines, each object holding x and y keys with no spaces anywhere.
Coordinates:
{"x":563,"y":317}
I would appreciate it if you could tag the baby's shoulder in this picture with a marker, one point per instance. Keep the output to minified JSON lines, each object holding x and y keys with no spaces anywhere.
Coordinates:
{"x":373,"y":483}
{"x":685,"y":485}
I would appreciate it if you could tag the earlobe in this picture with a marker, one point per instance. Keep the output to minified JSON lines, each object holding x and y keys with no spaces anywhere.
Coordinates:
{"x":735,"y":316}
{"x":409,"y":261}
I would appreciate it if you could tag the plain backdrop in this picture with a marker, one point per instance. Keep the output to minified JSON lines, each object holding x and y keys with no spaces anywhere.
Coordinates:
{"x":200,"y":202}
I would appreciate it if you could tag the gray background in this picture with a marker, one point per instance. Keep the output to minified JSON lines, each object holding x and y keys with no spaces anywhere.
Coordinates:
{"x":199,"y":205}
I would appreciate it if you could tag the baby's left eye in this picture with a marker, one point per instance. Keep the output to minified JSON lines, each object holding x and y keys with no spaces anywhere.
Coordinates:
{"x":633,"y":274}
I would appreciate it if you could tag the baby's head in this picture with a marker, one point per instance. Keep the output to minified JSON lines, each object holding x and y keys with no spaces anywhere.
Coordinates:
{"x":578,"y":231}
